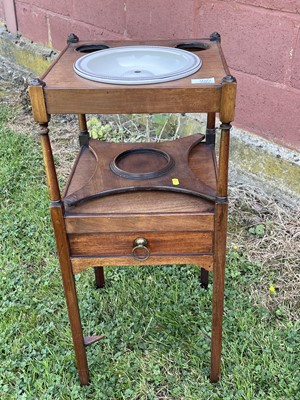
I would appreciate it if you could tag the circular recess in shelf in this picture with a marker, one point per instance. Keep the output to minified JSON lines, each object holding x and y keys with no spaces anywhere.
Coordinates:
{"x":142,"y":163}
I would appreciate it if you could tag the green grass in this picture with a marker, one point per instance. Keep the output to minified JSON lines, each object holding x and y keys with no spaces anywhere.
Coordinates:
{"x":156,"y":319}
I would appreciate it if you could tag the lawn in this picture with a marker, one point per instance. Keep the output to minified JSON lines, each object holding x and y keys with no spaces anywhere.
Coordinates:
{"x":156,"y":319}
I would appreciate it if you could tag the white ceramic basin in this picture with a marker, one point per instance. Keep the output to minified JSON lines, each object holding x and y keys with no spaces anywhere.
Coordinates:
{"x":137,"y":65}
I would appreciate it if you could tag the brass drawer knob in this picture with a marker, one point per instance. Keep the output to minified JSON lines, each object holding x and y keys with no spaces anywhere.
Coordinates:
{"x":140,"y":250}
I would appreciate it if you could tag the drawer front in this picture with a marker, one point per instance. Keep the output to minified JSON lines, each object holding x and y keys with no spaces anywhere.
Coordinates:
{"x":157,"y":244}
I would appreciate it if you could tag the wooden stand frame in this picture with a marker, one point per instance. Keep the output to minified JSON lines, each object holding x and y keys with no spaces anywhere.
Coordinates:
{"x":61,"y":91}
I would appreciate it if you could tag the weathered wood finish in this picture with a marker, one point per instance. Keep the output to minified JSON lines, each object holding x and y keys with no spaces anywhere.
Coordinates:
{"x":180,"y":228}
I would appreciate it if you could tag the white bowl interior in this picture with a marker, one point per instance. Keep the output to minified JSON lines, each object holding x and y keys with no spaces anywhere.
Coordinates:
{"x":137,"y":64}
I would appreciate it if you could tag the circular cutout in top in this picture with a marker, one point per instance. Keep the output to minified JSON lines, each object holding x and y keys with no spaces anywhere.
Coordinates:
{"x":193,"y":46}
{"x":143,"y":163}
{"x":90,"y":48}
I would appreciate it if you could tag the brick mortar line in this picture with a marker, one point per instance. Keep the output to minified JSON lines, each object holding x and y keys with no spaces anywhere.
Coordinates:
{"x":34,"y":6}
{"x":287,"y":79}
{"x":125,"y":35}
{"x":259,"y":9}
{"x":274,"y":84}
{"x":243,"y":5}
{"x":48,"y":13}
{"x":267,"y":8}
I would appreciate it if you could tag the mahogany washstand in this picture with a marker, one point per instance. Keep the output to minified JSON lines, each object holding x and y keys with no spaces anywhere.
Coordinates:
{"x":117,"y":208}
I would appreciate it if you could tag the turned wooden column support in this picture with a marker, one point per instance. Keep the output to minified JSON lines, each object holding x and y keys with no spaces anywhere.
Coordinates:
{"x":36,"y":92}
{"x":221,"y":214}
{"x":84,"y":133}
{"x":226,"y":116}
{"x":57,"y":216}
{"x":52,"y":182}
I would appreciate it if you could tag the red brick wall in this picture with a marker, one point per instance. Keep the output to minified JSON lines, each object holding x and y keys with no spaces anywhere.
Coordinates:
{"x":260,"y":38}
{"x":49,"y":22}
{"x":2,"y":15}
{"x":261,"y":41}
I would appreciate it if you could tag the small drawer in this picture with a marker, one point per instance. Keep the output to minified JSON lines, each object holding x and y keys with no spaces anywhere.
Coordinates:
{"x":156,"y":244}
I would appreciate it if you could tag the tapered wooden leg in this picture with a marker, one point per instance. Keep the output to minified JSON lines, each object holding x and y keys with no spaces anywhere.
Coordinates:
{"x":204,"y":278}
{"x":57,"y":215}
{"x":218,"y":290}
{"x":99,"y":277}
{"x":221,"y":211}
{"x":56,"y":209}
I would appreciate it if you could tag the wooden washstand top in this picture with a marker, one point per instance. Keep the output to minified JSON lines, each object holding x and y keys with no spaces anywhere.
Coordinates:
{"x":66,"y":92}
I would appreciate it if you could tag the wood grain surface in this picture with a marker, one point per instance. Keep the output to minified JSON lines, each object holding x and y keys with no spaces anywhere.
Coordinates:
{"x":193,"y":169}
{"x":66,"y":92}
